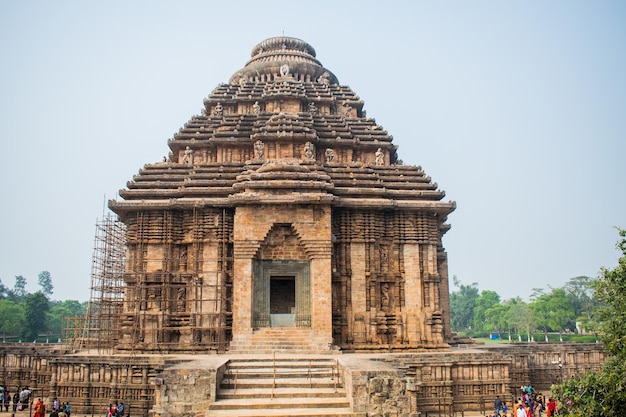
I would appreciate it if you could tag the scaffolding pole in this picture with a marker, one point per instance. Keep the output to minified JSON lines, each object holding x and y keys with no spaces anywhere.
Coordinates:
{"x":108,"y":265}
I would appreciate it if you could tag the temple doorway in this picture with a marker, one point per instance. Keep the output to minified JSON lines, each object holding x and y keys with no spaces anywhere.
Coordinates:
{"x":282,"y":301}
{"x":281,"y":295}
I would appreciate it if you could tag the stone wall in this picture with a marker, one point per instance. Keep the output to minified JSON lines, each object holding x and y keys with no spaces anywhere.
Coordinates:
{"x":187,"y":389}
{"x":88,"y":381}
{"x":544,"y":364}
{"x":389,"y":384}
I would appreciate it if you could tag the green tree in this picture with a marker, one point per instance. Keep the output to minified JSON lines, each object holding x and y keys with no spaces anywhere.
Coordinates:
{"x":539,"y":308}
{"x":524,"y":319}
{"x":12,"y":315}
{"x":496,"y":318}
{"x":579,"y":291}
{"x":59,"y":310}
{"x":45,"y":282}
{"x":19,"y":288}
{"x":562,"y":315}
{"x":4,"y":291}
{"x":488,"y":299}
{"x":602,"y":394}
{"x":36,"y":308}
{"x":553,"y":311}
{"x":513,"y":309}
{"x":462,"y":303}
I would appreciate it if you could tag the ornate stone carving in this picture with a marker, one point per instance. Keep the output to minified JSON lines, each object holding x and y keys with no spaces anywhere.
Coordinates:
{"x":330,"y":155}
{"x":188,"y":156}
{"x":256,"y":108}
{"x":284,"y":70}
{"x":312,"y":108}
{"x":219,"y":110}
{"x":324,"y":78}
{"x":380,"y":157}
{"x":309,"y":150}
{"x":259,"y":150}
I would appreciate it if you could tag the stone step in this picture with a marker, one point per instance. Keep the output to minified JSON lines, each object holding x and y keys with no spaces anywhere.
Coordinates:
{"x":280,"y":383}
{"x":283,"y":363}
{"x":280,"y":393}
{"x":305,"y":412}
{"x":280,"y":373}
{"x":268,"y":350}
{"x":279,"y":403}
{"x":281,"y":387}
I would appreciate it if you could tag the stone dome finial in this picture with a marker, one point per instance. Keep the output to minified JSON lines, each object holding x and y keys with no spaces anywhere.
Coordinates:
{"x":283,"y":43}
{"x":282,"y":56}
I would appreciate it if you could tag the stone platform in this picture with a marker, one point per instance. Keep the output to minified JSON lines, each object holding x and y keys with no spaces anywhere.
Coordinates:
{"x":453,"y":381}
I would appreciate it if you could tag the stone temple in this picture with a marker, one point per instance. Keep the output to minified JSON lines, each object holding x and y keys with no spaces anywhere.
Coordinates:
{"x":283,"y":207}
{"x":280,"y":261}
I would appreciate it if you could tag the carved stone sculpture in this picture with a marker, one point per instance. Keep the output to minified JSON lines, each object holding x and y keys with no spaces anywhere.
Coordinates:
{"x":330,"y":155}
{"x":259,"y":149}
{"x":309,"y":150}
{"x":380,"y":157}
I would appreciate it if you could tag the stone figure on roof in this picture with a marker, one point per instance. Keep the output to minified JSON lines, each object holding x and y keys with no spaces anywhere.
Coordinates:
{"x":309,"y":150}
{"x":259,"y":149}
{"x":312,"y":108}
{"x":380,"y":157}
{"x":324,"y":78}
{"x":256,"y":108}
{"x":219,"y":110}
{"x":330,"y":155}
{"x":188,"y":156}
{"x":284,"y":70}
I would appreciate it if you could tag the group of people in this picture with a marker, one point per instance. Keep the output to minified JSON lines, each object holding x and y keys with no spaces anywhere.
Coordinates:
{"x":529,"y":404}
{"x":21,"y":399}
{"x":60,"y":409}
{"x":116,"y":410}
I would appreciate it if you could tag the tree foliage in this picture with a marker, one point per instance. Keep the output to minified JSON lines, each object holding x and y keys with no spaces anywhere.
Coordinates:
{"x":60,"y":310}
{"x":462,"y":304}
{"x":19,"y":288}
{"x":45,"y":282}
{"x":602,"y":394}
{"x":36,"y":308}
{"x":487,"y":300}
{"x":12,"y":315}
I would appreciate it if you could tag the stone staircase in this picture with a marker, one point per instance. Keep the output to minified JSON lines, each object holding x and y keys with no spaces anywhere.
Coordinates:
{"x":280,"y":339}
{"x":282,"y":387}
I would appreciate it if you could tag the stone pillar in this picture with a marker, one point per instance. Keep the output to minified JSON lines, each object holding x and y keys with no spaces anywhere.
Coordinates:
{"x":413,"y":287}
{"x":359,"y":293}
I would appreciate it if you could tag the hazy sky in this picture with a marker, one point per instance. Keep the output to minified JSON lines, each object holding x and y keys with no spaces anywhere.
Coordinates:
{"x":516,"y":109}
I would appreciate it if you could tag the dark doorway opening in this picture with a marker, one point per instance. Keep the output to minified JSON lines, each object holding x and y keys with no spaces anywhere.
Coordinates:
{"x":282,"y":295}
{"x":282,"y":301}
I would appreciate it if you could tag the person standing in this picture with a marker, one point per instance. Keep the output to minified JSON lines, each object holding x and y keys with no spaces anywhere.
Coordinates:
{"x":520,"y":411}
{"x":40,"y":408}
{"x":16,"y":399}
{"x":497,"y":405}
{"x":7,"y":400}
{"x":121,"y":409}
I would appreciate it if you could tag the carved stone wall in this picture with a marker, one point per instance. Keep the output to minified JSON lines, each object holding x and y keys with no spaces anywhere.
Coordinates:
{"x":88,"y":382}
{"x":178,"y":281}
{"x":387,"y":280}
{"x":401,"y":384}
